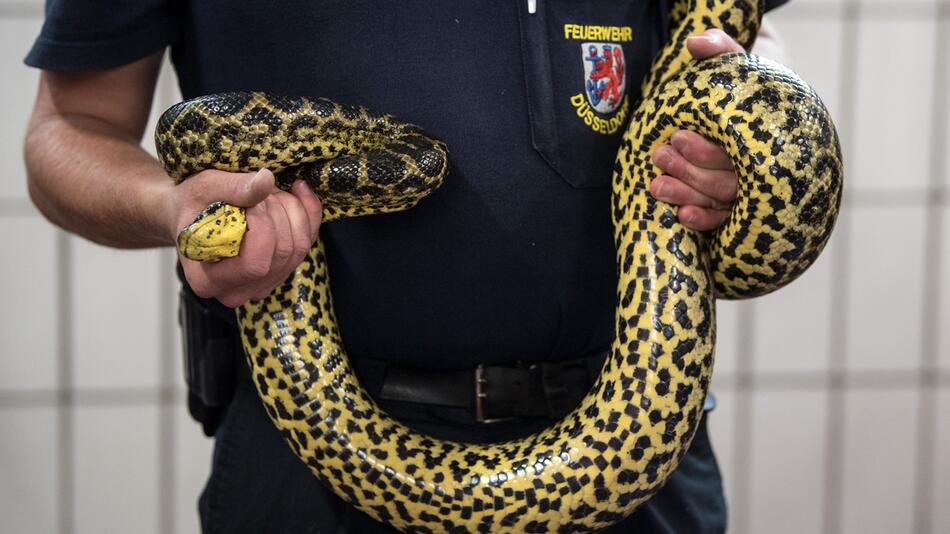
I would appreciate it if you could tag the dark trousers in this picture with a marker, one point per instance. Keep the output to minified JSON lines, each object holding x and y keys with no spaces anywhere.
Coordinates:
{"x":258,"y":486}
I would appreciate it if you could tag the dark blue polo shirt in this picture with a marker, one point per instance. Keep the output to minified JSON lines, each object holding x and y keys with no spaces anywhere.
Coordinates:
{"x":512,"y":259}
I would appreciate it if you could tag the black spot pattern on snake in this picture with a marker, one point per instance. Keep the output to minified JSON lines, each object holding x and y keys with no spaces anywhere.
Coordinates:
{"x":618,"y":447}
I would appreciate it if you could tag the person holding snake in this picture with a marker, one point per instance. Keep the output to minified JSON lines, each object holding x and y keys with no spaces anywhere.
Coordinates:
{"x":481,"y":315}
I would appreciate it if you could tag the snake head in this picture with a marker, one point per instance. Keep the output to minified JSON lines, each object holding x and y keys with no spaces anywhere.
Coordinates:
{"x":215,"y":234}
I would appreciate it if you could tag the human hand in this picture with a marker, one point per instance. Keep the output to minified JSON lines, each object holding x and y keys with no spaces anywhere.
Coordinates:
{"x":699,"y":177}
{"x":282,"y":227}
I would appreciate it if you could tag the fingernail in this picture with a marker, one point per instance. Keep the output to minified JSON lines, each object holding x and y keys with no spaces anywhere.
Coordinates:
{"x":661,"y":189}
{"x":711,"y":39}
{"x":678,"y":142}
{"x":661,"y":156}
{"x":713,"y":35}
{"x":253,"y":180}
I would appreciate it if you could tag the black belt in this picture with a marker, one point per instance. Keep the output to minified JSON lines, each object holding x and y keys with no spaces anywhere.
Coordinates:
{"x":496,"y":392}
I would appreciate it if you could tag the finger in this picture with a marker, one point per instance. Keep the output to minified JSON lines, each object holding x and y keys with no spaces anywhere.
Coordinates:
{"x":229,"y":280}
{"x":299,"y":225}
{"x":702,"y":219}
{"x":700,"y":151}
{"x":283,"y":233}
{"x":293,"y":227}
{"x":712,"y":42}
{"x":673,"y":191}
{"x":282,"y":255}
{"x":312,"y":206}
{"x":235,"y":298}
{"x":719,"y":185}
{"x":254,"y":261}
{"x":197,"y":277}
{"x":240,"y":189}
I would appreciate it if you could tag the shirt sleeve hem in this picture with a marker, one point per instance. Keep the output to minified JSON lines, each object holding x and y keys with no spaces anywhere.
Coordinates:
{"x":771,"y":5}
{"x":77,"y":56}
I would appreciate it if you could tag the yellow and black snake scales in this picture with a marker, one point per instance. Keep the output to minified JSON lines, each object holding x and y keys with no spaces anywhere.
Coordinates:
{"x":618,"y":447}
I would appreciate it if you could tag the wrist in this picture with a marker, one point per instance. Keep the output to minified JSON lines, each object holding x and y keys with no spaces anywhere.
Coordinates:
{"x":160,"y":211}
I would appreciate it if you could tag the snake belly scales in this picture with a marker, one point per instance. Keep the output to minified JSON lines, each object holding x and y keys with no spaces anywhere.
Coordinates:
{"x":616,"y":449}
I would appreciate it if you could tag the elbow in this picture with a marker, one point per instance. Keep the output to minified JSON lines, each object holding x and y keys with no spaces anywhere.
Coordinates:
{"x":34,"y":150}
{"x":39,"y":200}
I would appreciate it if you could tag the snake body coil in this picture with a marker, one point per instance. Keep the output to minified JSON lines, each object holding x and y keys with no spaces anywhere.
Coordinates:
{"x":594,"y":467}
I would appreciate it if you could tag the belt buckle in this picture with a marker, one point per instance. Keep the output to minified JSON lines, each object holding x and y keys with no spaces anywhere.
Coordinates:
{"x":480,"y":395}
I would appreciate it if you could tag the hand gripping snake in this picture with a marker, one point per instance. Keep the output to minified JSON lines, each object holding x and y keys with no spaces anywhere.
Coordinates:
{"x":613,"y":452}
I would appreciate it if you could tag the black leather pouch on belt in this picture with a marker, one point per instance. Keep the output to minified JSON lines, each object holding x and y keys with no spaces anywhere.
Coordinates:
{"x":210,"y":347}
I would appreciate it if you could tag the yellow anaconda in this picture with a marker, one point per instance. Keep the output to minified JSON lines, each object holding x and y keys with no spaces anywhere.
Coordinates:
{"x":617,"y":448}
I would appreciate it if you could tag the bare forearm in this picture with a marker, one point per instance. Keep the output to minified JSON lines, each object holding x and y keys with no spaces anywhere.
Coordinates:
{"x":92,"y":179}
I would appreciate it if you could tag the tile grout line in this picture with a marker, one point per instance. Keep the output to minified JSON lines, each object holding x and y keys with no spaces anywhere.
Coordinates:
{"x":65,"y":414}
{"x":879,"y":197}
{"x":834,"y":438}
{"x":927,"y":408}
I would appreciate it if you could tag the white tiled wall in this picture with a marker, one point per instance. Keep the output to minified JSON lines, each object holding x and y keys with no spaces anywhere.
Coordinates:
{"x":881,"y":282}
{"x":819,"y":386}
{"x":192,"y":458}
{"x":19,"y":85}
{"x":941,"y":472}
{"x":777,"y":346}
{"x":115,"y":309}
{"x":943,"y":299}
{"x":116,"y":453}
{"x":28,"y":469}
{"x":784,"y":481}
{"x":888,"y":65}
{"x":29,"y":327}
{"x":880,"y":461}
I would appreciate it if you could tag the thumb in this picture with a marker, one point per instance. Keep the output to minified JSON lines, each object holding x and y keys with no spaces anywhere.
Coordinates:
{"x":710,"y":43}
{"x":247,"y":190}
